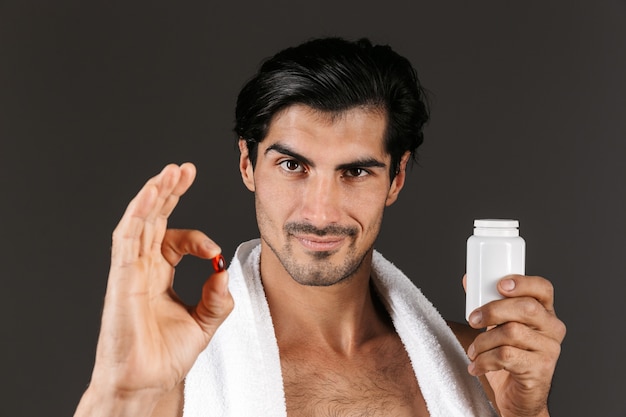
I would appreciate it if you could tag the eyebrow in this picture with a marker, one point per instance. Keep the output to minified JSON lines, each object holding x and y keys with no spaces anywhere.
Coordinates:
{"x":280,"y":148}
{"x":358,"y":163}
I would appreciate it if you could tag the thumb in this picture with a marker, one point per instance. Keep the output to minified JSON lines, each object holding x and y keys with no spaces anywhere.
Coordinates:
{"x":215,"y":305}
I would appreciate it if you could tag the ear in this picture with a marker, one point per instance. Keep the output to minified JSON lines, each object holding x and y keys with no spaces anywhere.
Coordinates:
{"x":398,"y":180}
{"x":245,"y":166}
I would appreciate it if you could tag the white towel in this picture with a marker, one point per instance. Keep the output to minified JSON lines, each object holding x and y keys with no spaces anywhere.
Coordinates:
{"x":239,"y":374}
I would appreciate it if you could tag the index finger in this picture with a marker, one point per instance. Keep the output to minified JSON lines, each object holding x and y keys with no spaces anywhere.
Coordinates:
{"x":180,"y":242}
{"x":147,"y":213}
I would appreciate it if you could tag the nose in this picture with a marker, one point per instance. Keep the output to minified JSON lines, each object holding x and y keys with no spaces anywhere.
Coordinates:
{"x":321,"y":200}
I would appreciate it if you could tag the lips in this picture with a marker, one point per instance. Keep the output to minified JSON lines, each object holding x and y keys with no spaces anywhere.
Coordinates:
{"x":317,"y":243}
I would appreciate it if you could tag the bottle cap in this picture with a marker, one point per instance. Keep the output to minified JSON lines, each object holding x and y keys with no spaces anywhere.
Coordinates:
{"x":496,"y":227}
{"x":496,"y":223}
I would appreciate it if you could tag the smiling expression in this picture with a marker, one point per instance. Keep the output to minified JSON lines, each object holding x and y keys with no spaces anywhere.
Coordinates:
{"x":321,"y":184}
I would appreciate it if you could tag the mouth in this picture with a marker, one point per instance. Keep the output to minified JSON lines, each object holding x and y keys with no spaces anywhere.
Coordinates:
{"x":320,"y":244}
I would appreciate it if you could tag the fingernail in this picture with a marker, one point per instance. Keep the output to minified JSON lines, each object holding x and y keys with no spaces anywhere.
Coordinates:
{"x":476,"y":318}
{"x":507,"y":285}
{"x":471,"y":368}
{"x":471,"y":351}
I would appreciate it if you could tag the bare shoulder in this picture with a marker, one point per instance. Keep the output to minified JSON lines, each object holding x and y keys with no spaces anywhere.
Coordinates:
{"x":172,"y":404}
{"x":466,"y":335}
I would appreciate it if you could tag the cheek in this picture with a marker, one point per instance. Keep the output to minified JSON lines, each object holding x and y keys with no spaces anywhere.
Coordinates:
{"x":367,"y":209}
{"x":273,"y":205}
{"x":273,"y":197}
{"x":374,"y":221}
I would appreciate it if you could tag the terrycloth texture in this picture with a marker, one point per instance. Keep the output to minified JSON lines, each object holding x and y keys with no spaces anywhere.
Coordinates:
{"x":239,"y":374}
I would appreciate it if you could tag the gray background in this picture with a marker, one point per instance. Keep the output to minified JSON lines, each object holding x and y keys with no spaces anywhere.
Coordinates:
{"x":95,"y":97}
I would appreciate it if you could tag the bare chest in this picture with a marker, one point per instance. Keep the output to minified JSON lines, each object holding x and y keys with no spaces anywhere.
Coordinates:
{"x":381,"y":383}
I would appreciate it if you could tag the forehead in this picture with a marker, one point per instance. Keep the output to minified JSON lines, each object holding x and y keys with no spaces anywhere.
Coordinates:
{"x":303,"y":126}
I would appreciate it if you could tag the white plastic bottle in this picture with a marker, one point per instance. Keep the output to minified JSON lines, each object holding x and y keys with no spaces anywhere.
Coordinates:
{"x":494,"y":251}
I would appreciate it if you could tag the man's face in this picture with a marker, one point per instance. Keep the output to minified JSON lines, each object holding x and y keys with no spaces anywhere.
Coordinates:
{"x":321,"y":185}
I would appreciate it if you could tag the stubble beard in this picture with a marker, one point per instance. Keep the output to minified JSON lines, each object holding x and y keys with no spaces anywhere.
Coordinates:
{"x":319,"y":271}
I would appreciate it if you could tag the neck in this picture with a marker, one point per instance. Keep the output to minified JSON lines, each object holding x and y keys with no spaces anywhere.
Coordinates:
{"x":342,"y":317}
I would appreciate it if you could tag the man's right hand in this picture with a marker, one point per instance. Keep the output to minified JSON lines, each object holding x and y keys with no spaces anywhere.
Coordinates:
{"x":149,"y":339}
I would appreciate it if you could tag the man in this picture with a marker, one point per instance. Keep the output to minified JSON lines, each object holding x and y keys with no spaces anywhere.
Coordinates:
{"x":322,"y":324}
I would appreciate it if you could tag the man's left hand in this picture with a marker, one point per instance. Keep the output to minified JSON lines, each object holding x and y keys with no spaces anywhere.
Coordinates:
{"x":519,"y":351}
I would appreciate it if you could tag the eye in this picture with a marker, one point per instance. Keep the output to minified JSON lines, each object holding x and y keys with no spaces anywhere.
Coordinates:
{"x":356,"y":172}
{"x":291,"y":165}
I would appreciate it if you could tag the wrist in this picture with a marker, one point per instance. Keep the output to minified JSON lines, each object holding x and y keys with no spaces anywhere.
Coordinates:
{"x":107,"y":403}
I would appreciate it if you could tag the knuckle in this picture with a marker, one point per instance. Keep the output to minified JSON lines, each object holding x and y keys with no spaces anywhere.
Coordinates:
{"x":554,"y":351}
{"x":116,"y":235}
{"x":530,"y":308}
{"x":505,"y":354}
{"x":549,"y":288}
{"x":546,"y":365}
{"x":556,"y":329}
{"x":513,"y":331}
{"x":216,"y":311}
{"x":545,"y":286}
{"x":561,"y":330}
{"x":229,"y":306}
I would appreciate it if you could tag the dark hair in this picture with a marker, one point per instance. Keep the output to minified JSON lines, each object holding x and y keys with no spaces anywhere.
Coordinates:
{"x":334,"y":75}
